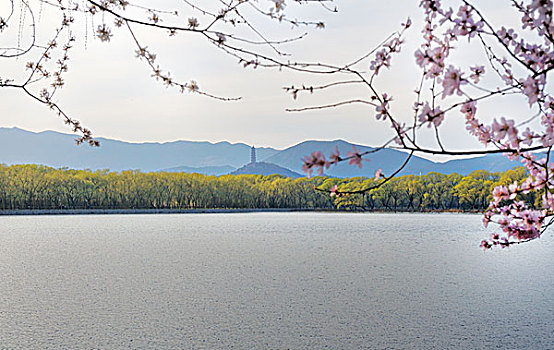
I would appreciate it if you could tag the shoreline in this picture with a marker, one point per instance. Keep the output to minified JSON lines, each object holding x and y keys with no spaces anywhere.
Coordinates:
{"x":53,"y":212}
{"x":17,"y":212}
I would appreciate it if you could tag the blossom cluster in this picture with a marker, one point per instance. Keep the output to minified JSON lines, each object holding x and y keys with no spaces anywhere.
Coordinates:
{"x":317,"y":160}
{"x":383,"y":56}
{"x":520,"y":66}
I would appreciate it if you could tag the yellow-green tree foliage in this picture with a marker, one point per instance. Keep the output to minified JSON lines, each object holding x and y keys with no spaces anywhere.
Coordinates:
{"x":429,"y":192}
{"x":41,"y":187}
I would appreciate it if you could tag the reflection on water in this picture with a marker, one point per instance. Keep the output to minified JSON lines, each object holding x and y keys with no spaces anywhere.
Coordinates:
{"x":270,"y":280}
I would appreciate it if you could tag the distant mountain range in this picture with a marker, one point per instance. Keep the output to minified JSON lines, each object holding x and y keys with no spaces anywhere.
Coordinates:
{"x":58,"y":150}
{"x":55,"y":149}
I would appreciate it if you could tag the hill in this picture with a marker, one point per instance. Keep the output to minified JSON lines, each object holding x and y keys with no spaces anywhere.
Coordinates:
{"x":206,"y":170}
{"x":263,"y":168}
{"x":389,"y":160}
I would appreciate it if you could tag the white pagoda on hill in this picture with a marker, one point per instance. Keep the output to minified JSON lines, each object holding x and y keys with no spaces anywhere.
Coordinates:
{"x":253,"y":155}
{"x":263,"y":168}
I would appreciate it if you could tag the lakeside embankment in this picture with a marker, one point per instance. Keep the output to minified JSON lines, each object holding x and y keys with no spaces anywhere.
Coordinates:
{"x":150,"y":211}
{"x":31,"y":212}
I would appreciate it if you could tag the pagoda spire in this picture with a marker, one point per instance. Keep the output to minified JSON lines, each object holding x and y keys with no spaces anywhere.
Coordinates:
{"x":253,"y":155}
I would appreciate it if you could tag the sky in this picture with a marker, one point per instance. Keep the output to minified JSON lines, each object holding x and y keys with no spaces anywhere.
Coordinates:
{"x":112,"y":93}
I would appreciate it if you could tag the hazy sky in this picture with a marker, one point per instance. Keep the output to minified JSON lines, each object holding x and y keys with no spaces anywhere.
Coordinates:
{"x":111,"y":92}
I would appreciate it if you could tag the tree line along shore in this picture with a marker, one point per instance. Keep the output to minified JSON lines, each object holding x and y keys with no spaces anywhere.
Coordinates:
{"x":37,"y":189}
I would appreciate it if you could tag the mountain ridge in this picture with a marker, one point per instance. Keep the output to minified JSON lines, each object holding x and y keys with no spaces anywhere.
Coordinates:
{"x":55,"y":149}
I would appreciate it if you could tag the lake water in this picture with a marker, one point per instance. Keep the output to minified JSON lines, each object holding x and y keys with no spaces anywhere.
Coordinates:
{"x":270,"y":280}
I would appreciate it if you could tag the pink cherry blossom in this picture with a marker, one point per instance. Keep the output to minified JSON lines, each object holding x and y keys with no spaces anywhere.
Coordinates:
{"x":334,"y":191}
{"x":469,"y":108}
{"x":528,"y":137}
{"x":431,"y":116}
{"x":316,"y":159}
{"x":382,"y":110}
{"x":500,"y":193}
{"x":507,"y":36}
{"x":464,"y":24}
{"x":334,"y":158}
{"x":531,"y":90}
{"x":452,"y":81}
{"x":378,"y":174}
{"x":476,"y":73}
{"x":421,"y":59}
{"x":355,"y":157}
{"x":513,"y":188}
{"x":504,"y":128}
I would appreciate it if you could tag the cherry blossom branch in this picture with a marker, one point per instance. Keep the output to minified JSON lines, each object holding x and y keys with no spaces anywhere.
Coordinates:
{"x":335,"y":192}
{"x":223,"y":36}
{"x":18,"y":51}
{"x":157,"y":73}
{"x":500,"y":41}
{"x":332,"y":105}
{"x":295,"y":90}
{"x":521,"y":221}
